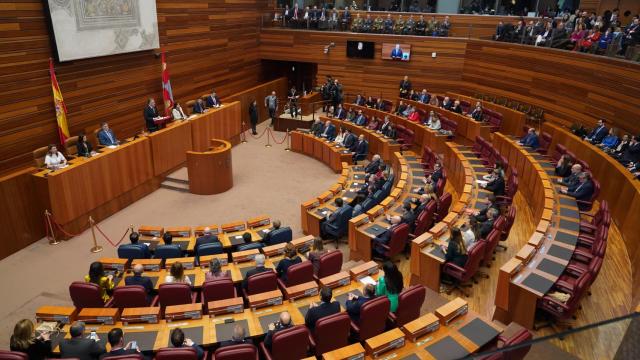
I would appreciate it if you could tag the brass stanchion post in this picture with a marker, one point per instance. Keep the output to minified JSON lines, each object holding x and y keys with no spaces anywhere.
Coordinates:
{"x":52,"y":238}
{"x":96,"y":248}
{"x":243,"y":139}
{"x":288,"y":148}
{"x":268,"y":140}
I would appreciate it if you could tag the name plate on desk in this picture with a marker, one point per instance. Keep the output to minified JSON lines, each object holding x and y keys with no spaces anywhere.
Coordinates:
{"x":182,"y":312}
{"x":234,"y":305}
{"x":360,"y":220}
{"x":105,"y":316}
{"x":114,"y":264}
{"x":179,"y":231}
{"x":375,"y":212}
{"x":421,"y":326}
{"x":235,"y":226}
{"x":61,"y":314}
{"x":155,"y":231}
{"x":188,"y":263}
{"x":325,"y":196}
{"x":384,"y":342}
{"x":336,"y":280}
{"x":526,"y":253}
{"x":451,"y":310}
{"x":274,"y":250}
{"x":450,"y":219}
{"x":303,"y":244}
{"x":242,"y":256}
{"x":265,"y":299}
{"x":366,"y":269}
{"x":351,"y":352}
{"x":438,"y":229}
{"x":149,"y":315}
{"x":199,"y":231}
{"x":259,"y":221}
{"x":536,"y":240}
{"x":302,"y":290}
{"x":205,"y":260}
{"x":148,"y":264}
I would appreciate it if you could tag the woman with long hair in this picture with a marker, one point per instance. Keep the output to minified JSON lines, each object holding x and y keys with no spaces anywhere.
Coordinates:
{"x":54,"y":158}
{"x":96,"y":275}
{"x":390,"y":284}
{"x":316,"y":252}
{"x":176,"y":274}
{"x":24,"y":340}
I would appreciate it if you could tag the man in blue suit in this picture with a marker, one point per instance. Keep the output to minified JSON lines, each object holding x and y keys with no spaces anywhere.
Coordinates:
{"x":198,"y":107}
{"x":213,"y":100}
{"x":134,"y":237}
{"x":598,"y":133}
{"x":340,"y":113}
{"x":138,"y":279}
{"x":385,"y":237}
{"x":361,"y":149}
{"x":106,"y":136}
{"x":396,"y":53}
{"x":360,"y":120}
{"x":206,"y":238}
{"x":531,"y":139}
{"x":349,"y":139}
{"x":424,"y":97}
{"x":329,"y":131}
{"x":355,"y":302}
{"x":582,"y":191}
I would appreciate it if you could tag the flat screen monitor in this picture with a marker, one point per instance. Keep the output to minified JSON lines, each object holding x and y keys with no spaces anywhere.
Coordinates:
{"x":395,"y":51}
{"x":360,"y":49}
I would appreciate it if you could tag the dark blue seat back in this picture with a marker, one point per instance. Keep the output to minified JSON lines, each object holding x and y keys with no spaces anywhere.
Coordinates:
{"x":253,"y":245}
{"x":168,"y":252}
{"x":131,"y":251}
{"x":367,"y":204}
{"x":282,"y":235}
{"x":210,"y":249}
{"x":378,"y":196}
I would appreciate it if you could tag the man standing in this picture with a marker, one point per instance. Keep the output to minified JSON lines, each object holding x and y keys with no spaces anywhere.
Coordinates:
{"x":271,"y":103}
{"x":293,"y":101}
{"x":150,"y":113}
{"x":80,"y":347}
{"x":253,"y":116}
{"x":405,"y":87}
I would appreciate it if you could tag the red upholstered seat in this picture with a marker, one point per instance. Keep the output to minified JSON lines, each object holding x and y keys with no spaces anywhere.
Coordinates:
{"x":132,"y":296}
{"x":261,"y":282}
{"x":175,"y":294}
{"x":464,"y":274}
{"x":236,"y":352}
{"x":409,"y":303}
{"x":218,"y":289}
{"x":86,"y":295}
{"x":330,"y":263}
{"x":183,"y":353}
{"x":373,"y":318}
{"x":12,"y":355}
{"x":288,"y":344}
{"x":331,"y":332}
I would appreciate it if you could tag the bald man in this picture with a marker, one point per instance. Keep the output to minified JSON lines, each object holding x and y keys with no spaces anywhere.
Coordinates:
{"x":206,"y":238}
{"x":138,"y":279}
{"x":385,"y":237}
{"x":237,"y":338}
{"x":283,"y":323}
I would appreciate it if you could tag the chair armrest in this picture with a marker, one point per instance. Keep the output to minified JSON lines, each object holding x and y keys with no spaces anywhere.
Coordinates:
{"x":453,"y":269}
{"x":386,"y":247}
{"x":392,"y":317}
{"x":312,"y":341}
{"x":194,"y":297}
{"x":583,"y":202}
{"x":154,"y":301}
{"x":582,"y":256}
{"x":564,"y":286}
{"x":267,"y":354}
{"x":586,"y":237}
{"x":355,"y":328}
{"x":109,"y":303}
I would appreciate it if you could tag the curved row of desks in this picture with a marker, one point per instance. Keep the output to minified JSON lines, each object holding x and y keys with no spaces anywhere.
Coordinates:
{"x":621,"y":191}
{"x":529,"y":275}
{"x":123,"y":174}
{"x":512,"y":120}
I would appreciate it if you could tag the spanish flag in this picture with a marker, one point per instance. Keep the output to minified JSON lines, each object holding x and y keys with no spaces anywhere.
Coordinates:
{"x":61,"y":109}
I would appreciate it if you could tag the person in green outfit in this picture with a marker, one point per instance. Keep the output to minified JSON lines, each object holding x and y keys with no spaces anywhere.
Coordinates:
{"x":390,"y":284}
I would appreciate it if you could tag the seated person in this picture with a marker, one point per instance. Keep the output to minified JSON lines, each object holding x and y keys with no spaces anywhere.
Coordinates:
{"x":424,"y":97}
{"x":134,"y":237}
{"x":581,"y":191}
{"x":632,"y":153}
{"x":176,"y":274}
{"x":385,"y":124}
{"x":390,"y":132}
{"x":115,"y":337}
{"x":290,"y":258}
{"x":349,"y":139}
{"x":373,"y":165}
{"x":357,"y":204}
{"x":531,"y":139}
{"x":340,"y":113}
{"x":359,"y":100}
{"x":215,"y":271}
{"x":178,"y":340}
{"x":167,"y":238}
{"x":619,"y":149}
{"x":481,"y":215}
{"x":468,"y":236}
{"x":138,"y":279}
{"x":380,"y":105}
{"x":455,"y":251}
{"x":54,"y":158}
{"x":421,"y":202}
{"x":433,"y":122}
{"x":385,"y":237}
{"x":414,"y":117}
{"x":610,"y":141}
{"x":355,"y":302}
{"x":267,"y":238}
{"x":316,"y":128}
{"x":390,"y":284}
{"x":563,"y":166}
{"x":213,"y":100}
{"x":484,"y":228}
{"x":329,"y":131}
{"x":408,"y":216}
{"x":237,"y":338}
{"x":572,"y":179}
{"x":198,"y":107}
{"x":370,"y":103}
{"x":598,"y":133}
{"x":106,"y":137}
{"x":360,"y":120}
{"x":98,"y":277}
{"x":477,"y":113}
{"x":360,"y":150}
{"x":207,"y":238}
{"x":339,"y":136}
{"x":24,"y":340}
{"x":408,"y":111}
{"x":317,"y":250}
{"x":282,"y":324}
{"x":259,"y":259}
{"x":318,"y":311}
{"x":457,"y":108}
{"x":401,"y":108}
{"x":178,"y":113}
{"x":84,"y":147}
{"x":373,"y":124}
{"x":248,"y":244}
{"x":79,"y":346}
{"x":447,"y":104}
{"x":497,"y":185}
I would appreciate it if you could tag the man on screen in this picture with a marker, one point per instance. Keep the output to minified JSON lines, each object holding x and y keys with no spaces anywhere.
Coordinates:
{"x":396,"y":53}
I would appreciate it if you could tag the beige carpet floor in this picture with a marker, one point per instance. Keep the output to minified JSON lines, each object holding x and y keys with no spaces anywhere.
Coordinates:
{"x":268,"y":181}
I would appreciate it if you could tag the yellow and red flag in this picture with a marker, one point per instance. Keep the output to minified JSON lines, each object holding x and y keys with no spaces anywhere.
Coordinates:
{"x":61,"y":109}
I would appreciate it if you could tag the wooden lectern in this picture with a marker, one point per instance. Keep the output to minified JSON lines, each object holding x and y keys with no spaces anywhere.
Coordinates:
{"x":210,"y":172}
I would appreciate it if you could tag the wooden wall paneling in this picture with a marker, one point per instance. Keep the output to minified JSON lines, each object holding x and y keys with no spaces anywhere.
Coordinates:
{"x":221,"y":123}
{"x":169,"y":147}
{"x":258,"y":93}
{"x":208,"y":43}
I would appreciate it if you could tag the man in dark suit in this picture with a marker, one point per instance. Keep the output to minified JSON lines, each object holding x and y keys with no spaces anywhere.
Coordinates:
{"x":485,"y":227}
{"x":481,"y":215}
{"x":385,"y":125}
{"x":118,"y":348}
{"x":447,"y":104}
{"x":396,"y":53}
{"x":360,"y":150}
{"x":134,"y":237}
{"x":354,"y":302}
{"x":496,"y":185}
{"x":198,"y":107}
{"x":178,"y":340}
{"x":167,"y":238}
{"x":150,"y":112}
{"x":349,"y":139}
{"x":421,"y":203}
{"x":329,"y":131}
{"x":332,"y":218}
{"x":385,"y":237}
{"x":249,"y":244}
{"x":293,"y":101}
{"x":79,"y":346}
{"x":267,"y":239}
{"x":531,"y":139}
{"x":405,"y":87}
{"x":138,"y":279}
{"x":106,"y":136}
{"x":340,"y":113}
{"x":583,"y":191}
{"x":632,"y":153}
{"x":572,"y":180}
{"x":402,"y":107}
{"x":213,"y":100}
{"x":374,"y":165}
{"x":598,"y":133}
{"x":424,"y":97}
{"x":316,"y":128}
{"x":259,"y":259}
{"x":284,"y":323}
{"x":237,"y":338}
{"x":408,"y":216}
{"x":360,"y":120}
{"x":325,"y":308}
{"x":206,"y":238}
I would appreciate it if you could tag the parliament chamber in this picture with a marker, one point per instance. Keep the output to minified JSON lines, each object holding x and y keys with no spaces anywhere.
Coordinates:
{"x":287,"y":199}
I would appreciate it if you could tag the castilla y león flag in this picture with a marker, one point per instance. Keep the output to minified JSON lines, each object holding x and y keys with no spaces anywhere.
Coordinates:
{"x":167,"y":94}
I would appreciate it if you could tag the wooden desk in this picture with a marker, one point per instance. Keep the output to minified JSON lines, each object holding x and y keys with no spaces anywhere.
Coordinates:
{"x":219,"y":123}
{"x":169,"y":146}
{"x":378,"y":143}
{"x":114,"y":175}
{"x":306,"y":102}
{"x":328,"y":152}
{"x":512,"y":120}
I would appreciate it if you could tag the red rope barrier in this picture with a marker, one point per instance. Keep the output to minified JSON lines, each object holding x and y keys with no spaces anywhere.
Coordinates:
{"x":257,"y":137}
{"x":274,"y":138}
{"x":66,"y":233}
{"x":109,"y":240}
